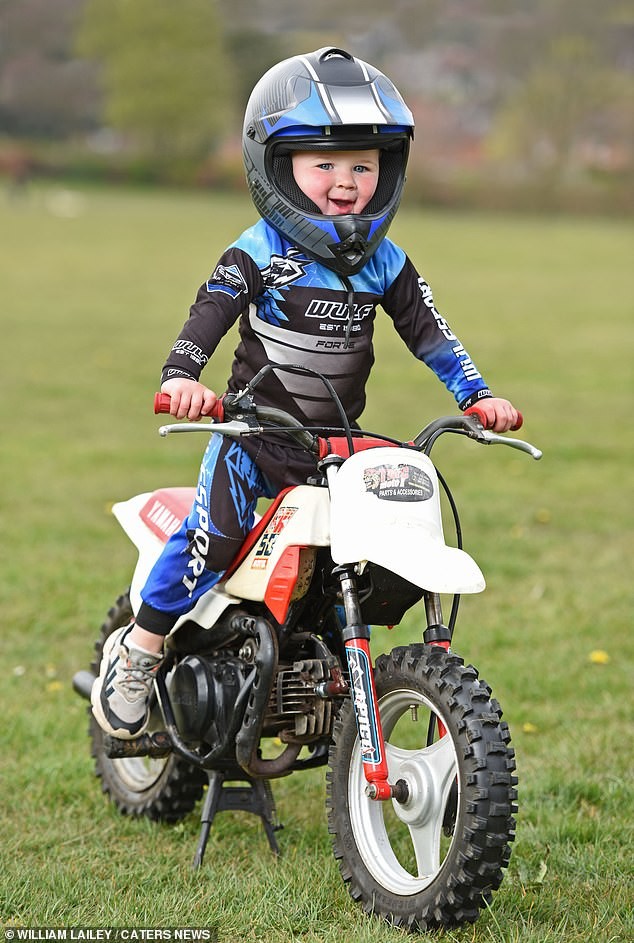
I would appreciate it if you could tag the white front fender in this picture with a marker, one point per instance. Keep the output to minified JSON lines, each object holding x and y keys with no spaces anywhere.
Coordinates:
{"x":385,"y":508}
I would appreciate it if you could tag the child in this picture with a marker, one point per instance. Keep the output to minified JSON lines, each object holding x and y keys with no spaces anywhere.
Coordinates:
{"x":325,"y":142}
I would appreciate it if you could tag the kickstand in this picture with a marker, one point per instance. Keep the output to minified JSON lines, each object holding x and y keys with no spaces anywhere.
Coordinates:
{"x":256,"y":797}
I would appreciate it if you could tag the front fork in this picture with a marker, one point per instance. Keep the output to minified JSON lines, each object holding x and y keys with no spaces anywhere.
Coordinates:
{"x":356,"y":637}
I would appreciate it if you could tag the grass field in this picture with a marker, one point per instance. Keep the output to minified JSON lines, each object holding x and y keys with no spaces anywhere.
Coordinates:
{"x":94,"y":286}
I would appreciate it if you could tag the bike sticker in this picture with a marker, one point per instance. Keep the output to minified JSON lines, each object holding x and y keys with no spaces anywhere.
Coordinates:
{"x":363,"y":702}
{"x":268,"y":539}
{"x":398,"y":483}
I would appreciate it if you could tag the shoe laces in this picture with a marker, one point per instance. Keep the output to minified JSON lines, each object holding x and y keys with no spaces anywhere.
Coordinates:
{"x":137,"y":669}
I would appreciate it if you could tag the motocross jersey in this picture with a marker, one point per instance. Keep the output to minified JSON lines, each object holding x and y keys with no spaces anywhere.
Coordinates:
{"x":293,"y":310}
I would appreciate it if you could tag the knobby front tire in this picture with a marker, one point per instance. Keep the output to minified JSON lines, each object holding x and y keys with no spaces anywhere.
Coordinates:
{"x":433,"y":861}
{"x":165,"y":789}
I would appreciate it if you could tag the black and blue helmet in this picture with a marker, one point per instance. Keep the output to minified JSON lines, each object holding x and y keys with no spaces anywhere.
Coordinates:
{"x":325,"y":100}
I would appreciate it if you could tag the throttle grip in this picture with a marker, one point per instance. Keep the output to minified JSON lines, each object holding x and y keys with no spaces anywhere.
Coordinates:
{"x":162,"y":402}
{"x":481,"y":415}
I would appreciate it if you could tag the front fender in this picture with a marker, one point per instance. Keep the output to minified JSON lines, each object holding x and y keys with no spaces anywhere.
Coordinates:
{"x":385,"y":508}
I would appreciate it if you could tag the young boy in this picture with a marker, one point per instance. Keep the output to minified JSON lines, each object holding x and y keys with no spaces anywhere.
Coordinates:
{"x":325,"y":142}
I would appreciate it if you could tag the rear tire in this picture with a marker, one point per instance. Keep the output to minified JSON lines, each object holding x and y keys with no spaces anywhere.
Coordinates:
{"x":433,"y":861}
{"x":165,"y":789}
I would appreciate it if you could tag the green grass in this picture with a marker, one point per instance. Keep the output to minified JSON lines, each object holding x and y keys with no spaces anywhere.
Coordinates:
{"x":94,"y":287}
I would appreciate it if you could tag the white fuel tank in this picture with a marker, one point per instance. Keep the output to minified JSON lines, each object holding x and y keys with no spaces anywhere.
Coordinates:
{"x":301,"y":519}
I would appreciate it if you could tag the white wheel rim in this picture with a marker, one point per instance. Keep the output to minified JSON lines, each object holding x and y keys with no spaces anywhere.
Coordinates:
{"x":140,"y":773}
{"x":429,"y":773}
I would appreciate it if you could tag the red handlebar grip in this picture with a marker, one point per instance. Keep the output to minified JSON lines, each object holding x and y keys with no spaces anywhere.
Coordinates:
{"x":162,"y":402}
{"x":481,"y":415}
{"x":519,"y":423}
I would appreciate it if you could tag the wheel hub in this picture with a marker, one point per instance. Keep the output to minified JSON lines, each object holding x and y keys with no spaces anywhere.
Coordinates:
{"x":419,"y":804}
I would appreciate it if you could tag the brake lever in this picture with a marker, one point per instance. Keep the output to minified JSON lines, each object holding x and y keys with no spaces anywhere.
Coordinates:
{"x":475,"y":430}
{"x":491,"y":438}
{"x":234,"y":428}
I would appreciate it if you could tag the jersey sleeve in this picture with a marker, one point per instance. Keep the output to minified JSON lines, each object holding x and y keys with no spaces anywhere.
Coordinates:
{"x":410,"y":304}
{"x":234,"y":283}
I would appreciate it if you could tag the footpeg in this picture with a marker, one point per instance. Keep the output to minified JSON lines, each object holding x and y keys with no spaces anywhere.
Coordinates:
{"x":154,"y":745}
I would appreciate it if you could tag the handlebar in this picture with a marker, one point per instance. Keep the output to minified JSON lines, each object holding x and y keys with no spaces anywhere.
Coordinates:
{"x":162,"y":403}
{"x":471,"y":423}
{"x":231,"y":406}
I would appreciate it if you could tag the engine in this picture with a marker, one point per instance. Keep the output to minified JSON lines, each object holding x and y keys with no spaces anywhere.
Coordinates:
{"x":297,"y":711}
{"x":204,"y":692}
{"x":209,"y":696}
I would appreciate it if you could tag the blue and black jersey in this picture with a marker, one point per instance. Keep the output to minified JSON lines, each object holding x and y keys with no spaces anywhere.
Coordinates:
{"x":293,"y":310}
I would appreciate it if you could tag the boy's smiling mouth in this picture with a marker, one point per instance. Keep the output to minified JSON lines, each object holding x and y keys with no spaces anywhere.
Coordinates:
{"x":340,"y":207}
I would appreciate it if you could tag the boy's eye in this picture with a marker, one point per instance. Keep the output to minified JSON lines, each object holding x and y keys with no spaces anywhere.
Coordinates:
{"x":357,"y":169}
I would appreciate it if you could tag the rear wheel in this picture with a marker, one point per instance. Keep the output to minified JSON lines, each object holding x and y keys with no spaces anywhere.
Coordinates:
{"x":433,"y":860}
{"x":165,"y":789}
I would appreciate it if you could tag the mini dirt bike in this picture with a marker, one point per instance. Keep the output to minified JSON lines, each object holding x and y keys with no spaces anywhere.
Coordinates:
{"x":271,"y":673}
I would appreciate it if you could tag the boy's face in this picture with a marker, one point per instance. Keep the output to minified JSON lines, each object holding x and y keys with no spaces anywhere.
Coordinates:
{"x":338,"y":182}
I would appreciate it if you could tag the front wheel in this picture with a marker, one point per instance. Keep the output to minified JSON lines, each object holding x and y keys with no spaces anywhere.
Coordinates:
{"x":433,"y":860}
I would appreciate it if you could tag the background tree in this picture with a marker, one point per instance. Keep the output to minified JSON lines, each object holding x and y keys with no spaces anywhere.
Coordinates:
{"x":555,"y":108}
{"x":166,"y":80}
{"x":567,"y":87}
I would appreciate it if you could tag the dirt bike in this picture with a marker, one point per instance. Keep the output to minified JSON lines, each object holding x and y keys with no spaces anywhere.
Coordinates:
{"x":271,"y":672}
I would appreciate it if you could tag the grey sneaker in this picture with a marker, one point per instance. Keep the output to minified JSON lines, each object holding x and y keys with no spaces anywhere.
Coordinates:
{"x":121,"y":693}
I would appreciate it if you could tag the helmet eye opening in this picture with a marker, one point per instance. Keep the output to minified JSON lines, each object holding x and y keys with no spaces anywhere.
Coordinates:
{"x":284,"y":179}
{"x":392,"y":160}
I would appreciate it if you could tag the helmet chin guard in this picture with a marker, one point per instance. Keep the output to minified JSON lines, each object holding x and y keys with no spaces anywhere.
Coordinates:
{"x":325,"y":100}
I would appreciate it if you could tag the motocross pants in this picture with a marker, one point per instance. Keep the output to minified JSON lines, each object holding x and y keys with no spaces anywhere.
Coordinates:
{"x":195,"y":557}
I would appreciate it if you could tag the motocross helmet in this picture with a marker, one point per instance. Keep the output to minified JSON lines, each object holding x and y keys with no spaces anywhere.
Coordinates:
{"x":325,"y":100}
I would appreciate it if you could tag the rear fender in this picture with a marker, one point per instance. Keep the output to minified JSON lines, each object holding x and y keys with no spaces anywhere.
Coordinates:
{"x":149,"y":519}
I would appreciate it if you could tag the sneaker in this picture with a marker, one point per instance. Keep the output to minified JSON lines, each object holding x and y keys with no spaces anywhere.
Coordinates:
{"x":120,"y":695}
